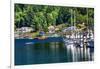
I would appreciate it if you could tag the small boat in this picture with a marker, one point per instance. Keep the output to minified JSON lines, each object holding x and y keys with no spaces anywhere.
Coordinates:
{"x":28,"y":43}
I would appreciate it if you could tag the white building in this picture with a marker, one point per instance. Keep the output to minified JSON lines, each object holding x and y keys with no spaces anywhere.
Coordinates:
{"x":25,"y":29}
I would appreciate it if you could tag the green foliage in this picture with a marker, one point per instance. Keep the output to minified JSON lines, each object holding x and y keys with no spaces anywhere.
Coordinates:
{"x":35,"y":34}
{"x":41,"y":16}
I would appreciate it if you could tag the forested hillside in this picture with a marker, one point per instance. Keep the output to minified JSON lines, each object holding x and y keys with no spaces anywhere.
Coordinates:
{"x":42,"y":16}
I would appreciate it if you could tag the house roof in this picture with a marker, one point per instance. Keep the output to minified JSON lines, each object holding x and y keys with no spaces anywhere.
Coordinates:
{"x":72,"y":28}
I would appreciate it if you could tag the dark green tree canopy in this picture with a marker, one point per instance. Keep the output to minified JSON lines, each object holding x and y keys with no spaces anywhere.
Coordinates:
{"x":42,"y":16}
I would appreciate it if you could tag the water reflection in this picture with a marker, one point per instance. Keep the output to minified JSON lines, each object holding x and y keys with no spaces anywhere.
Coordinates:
{"x":50,"y":52}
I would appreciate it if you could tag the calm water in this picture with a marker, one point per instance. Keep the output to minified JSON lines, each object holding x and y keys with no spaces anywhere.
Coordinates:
{"x":54,"y":50}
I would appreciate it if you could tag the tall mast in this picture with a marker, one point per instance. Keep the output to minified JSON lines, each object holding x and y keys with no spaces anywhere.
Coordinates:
{"x":71,"y":18}
{"x":87,"y":22}
{"x":74,"y":23}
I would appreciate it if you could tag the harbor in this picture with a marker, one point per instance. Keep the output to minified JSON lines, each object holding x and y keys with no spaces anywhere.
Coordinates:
{"x":53,"y":34}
